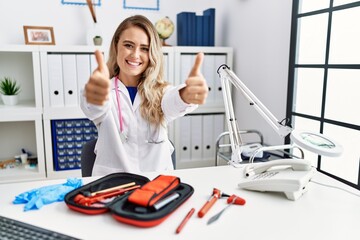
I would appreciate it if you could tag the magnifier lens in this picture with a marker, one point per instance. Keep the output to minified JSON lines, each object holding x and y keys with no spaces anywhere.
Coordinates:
{"x":317,"y":140}
{"x":316,"y":143}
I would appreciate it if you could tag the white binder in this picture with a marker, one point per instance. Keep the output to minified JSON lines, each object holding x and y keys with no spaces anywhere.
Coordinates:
{"x":93,"y":63}
{"x":208,"y":137}
{"x":209,"y":73}
{"x":219,"y":60}
{"x":83,"y":70}
{"x":187,"y":61}
{"x":56,"y":89}
{"x":185,"y":138}
{"x":196,"y":138}
{"x":70,"y":80}
{"x":219,"y":125}
{"x":166,"y":68}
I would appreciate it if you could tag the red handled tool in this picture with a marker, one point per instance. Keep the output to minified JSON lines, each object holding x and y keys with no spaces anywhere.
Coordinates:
{"x":233,"y":199}
{"x":185,"y":220}
{"x":87,"y":201}
{"x":209,"y":203}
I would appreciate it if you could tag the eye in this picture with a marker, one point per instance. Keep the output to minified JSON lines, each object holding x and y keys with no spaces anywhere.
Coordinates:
{"x":145,"y":49}
{"x":128,"y":45}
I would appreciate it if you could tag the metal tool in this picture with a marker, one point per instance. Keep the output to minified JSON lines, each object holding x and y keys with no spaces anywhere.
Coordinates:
{"x":233,"y":199}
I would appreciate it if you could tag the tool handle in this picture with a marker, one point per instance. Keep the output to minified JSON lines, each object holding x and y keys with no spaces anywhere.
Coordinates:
{"x":185,"y":220}
{"x":113,"y":193}
{"x":87,"y":201}
{"x":207,"y":206}
{"x":113,"y":188}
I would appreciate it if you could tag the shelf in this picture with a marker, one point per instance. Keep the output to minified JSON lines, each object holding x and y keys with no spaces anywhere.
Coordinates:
{"x":18,"y":48}
{"x":210,"y":108}
{"x":64,"y":174}
{"x":21,"y":173}
{"x":23,"y":111}
{"x":71,"y":49}
{"x":63,"y":113}
{"x":206,"y":50}
{"x":22,"y":104}
{"x":40,"y":72}
{"x":21,"y":63}
{"x":22,"y":131}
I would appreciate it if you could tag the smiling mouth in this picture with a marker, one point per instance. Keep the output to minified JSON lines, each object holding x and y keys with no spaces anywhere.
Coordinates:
{"x":133,"y":63}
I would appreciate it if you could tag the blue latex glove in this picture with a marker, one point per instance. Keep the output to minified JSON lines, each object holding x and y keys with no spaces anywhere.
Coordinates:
{"x":36,"y":198}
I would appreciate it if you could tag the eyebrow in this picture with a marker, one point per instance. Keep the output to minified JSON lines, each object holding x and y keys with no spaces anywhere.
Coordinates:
{"x":128,"y":41}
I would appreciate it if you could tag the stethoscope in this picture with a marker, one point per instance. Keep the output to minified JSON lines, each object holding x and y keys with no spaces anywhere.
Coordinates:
{"x":123,"y":136}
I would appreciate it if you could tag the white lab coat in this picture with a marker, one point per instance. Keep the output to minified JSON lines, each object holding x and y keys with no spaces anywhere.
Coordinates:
{"x":135,"y":155}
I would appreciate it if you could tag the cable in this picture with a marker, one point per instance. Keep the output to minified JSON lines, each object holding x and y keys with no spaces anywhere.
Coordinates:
{"x":331,"y":186}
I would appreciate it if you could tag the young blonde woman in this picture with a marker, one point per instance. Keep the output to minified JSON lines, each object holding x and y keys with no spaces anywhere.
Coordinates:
{"x":131,"y":103}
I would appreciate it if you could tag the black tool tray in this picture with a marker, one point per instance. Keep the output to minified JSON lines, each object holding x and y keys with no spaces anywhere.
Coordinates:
{"x":123,"y":210}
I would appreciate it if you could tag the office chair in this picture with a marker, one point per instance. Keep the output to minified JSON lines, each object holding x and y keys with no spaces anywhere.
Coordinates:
{"x":88,"y":156}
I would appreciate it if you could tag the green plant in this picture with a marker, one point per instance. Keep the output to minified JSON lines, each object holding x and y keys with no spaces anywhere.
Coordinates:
{"x":9,"y":86}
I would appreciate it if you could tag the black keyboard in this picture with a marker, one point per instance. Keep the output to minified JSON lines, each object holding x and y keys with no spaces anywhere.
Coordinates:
{"x":13,"y":229}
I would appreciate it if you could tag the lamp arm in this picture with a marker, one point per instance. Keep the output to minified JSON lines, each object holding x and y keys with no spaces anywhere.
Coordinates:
{"x":311,"y":141}
{"x":234,"y":133}
{"x":227,"y":75}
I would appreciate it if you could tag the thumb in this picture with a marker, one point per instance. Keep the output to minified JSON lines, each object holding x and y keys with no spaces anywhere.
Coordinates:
{"x":102,"y":67}
{"x":196,"y":69}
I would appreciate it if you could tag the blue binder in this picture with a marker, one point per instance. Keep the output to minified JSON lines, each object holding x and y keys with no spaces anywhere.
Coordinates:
{"x":192,"y":29}
{"x":206,"y":31}
{"x":211,"y":13}
{"x":182,"y":19}
{"x":199,"y":31}
{"x":195,"y":30}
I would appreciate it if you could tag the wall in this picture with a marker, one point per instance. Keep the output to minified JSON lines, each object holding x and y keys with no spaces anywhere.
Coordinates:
{"x":72,"y":22}
{"x":259,"y":32}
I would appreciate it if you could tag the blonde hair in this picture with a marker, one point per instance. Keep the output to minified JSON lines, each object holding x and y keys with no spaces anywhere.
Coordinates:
{"x":152,"y":83}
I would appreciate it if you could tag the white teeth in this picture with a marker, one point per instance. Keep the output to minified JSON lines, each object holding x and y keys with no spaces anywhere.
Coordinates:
{"x":133,"y":63}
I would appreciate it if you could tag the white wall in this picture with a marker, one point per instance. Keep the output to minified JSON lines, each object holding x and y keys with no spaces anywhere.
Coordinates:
{"x":72,"y":22}
{"x":258,"y":30}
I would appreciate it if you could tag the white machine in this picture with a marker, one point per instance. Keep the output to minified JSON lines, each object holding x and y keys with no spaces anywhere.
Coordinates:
{"x":293,"y":179}
{"x":248,"y":150}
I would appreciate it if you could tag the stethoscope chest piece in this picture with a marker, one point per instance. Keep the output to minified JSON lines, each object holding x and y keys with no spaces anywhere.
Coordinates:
{"x":123,"y":137}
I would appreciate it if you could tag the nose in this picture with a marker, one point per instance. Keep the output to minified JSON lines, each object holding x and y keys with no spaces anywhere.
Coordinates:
{"x":135,"y":53}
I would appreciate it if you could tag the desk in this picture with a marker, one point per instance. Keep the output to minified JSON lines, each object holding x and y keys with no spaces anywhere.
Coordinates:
{"x":322,"y":213}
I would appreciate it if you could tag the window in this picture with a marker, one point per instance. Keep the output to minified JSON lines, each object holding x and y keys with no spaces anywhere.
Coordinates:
{"x":324,"y":80}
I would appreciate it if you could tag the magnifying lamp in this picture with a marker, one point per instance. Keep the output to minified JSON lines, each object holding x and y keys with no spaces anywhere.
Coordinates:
{"x":311,"y":141}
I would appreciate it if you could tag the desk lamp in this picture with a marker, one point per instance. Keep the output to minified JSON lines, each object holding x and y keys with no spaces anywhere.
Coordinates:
{"x":314,"y":142}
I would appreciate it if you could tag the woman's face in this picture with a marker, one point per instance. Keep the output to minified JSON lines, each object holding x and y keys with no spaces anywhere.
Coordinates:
{"x":132,"y":55}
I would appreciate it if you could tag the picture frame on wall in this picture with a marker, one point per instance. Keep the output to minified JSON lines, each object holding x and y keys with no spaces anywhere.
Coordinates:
{"x":38,"y":35}
{"x":81,"y":2}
